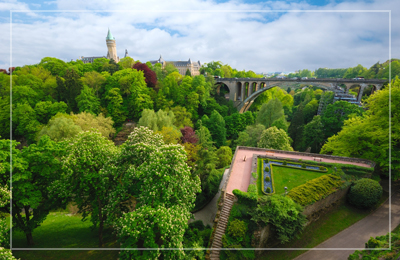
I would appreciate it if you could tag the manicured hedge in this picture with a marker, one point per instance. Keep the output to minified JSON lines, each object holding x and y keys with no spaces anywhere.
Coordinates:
{"x":266,"y":169}
{"x":365,"y":193}
{"x":245,"y":197}
{"x":342,"y":166}
{"x":315,"y":189}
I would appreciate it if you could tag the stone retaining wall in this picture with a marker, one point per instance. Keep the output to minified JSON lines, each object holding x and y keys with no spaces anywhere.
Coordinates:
{"x":314,"y":211}
{"x":266,"y":238}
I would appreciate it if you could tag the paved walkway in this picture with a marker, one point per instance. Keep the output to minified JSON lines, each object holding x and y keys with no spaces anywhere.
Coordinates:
{"x":355,"y":236}
{"x":207,"y":214}
{"x":241,"y":170}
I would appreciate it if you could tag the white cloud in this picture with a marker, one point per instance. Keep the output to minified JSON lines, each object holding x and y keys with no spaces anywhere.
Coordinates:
{"x":244,"y":40}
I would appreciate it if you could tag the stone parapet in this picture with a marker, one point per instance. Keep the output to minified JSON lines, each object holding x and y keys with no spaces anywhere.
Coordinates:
{"x":326,"y":156}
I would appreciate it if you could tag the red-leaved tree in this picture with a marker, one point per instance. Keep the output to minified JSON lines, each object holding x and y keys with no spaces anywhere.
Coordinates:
{"x":188,"y":135}
{"x":151,"y":77}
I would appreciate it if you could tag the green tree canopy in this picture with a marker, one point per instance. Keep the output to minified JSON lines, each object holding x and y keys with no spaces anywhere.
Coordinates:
{"x":367,"y":136}
{"x":82,"y":181}
{"x":336,"y":113}
{"x":274,"y":138}
{"x":269,"y":112}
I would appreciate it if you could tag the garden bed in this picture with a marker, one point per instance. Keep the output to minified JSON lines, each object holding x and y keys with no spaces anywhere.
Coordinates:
{"x":270,"y":167}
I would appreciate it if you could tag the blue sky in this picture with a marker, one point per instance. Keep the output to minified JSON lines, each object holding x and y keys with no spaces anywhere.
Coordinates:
{"x":250,"y":35}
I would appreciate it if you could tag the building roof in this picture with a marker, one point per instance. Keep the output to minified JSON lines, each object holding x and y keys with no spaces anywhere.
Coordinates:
{"x":177,"y":63}
{"x":109,"y":35}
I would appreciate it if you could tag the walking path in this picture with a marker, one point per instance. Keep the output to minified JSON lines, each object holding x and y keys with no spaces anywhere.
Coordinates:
{"x":207,"y":214}
{"x":241,"y":169}
{"x":355,"y":236}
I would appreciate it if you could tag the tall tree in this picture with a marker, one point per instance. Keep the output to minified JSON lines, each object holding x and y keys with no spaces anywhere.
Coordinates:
{"x":336,"y":113}
{"x":189,"y":135}
{"x":156,"y":219}
{"x":367,"y":136}
{"x":296,"y":129}
{"x":216,"y":125}
{"x":251,"y":136}
{"x":274,"y":138}
{"x":87,"y":101}
{"x":114,"y":106}
{"x":150,"y":76}
{"x":314,"y":134}
{"x":85,"y":156}
{"x":269,"y":112}
{"x":73,"y":86}
{"x":94,"y":80}
{"x":37,"y":166}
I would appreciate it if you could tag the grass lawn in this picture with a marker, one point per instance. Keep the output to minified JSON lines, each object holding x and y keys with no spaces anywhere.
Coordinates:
{"x":62,"y":231}
{"x":319,"y":231}
{"x":291,"y":177}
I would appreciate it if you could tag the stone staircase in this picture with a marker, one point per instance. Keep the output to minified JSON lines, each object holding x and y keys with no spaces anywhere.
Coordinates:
{"x":221,"y":226}
{"x":122,"y":135}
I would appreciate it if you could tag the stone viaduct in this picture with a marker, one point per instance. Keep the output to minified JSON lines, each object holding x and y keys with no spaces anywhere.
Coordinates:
{"x":243,"y":91}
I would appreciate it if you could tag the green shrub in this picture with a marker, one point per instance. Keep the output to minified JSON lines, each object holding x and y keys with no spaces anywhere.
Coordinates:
{"x":197,"y":224}
{"x":321,"y":168}
{"x":267,"y":179}
{"x":365,"y":193}
{"x":245,"y":197}
{"x":284,"y":163}
{"x":254,"y":174}
{"x":266,"y":169}
{"x":282,"y":213}
{"x":209,"y":189}
{"x":252,"y":189}
{"x":315,"y":189}
{"x":268,"y":190}
{"x":237,"y":229}
{"x":266,"y":160}
{"x":303,"y":165}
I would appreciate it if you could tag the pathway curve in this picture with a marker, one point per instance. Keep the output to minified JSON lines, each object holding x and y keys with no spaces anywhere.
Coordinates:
{"x":207,"y":214}
{"x":355,"y":236}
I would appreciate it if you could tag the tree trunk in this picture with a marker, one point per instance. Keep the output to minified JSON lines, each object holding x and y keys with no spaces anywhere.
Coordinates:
{"x":101,"y":224}
{"x":29,"y":238}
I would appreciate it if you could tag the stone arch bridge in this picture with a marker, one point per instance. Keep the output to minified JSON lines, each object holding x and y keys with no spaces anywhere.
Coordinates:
{"x":243,"y":91}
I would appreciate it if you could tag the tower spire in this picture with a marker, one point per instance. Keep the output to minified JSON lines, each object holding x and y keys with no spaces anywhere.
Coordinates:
{"x":109,"y":35}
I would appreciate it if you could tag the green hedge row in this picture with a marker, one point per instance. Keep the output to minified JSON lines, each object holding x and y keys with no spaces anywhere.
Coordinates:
{"x":342,"y":166}
{"x":315,"y":189}
{"x":246,"y":198}
{"x":301,"y":168}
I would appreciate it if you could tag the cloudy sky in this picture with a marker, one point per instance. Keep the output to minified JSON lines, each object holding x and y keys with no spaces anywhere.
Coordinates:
{"x":262,"y":36}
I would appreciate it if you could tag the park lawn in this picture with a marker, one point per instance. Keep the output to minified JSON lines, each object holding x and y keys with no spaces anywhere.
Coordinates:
{"x":291,"y":177}
{"x":60,"y":230}
{"x":317,"y":232}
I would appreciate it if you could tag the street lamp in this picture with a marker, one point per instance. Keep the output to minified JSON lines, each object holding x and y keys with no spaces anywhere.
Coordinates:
{"x":285,"y":190}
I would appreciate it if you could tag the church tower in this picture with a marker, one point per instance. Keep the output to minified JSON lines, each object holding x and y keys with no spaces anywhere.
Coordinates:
{"x":112,"y":47}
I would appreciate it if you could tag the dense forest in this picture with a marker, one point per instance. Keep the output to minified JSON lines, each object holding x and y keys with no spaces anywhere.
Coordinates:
{"x":60,"y":119}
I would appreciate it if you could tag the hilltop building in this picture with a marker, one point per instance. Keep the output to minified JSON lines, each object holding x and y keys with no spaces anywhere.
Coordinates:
{"x":182,"y":66}
{"x":111,"y":53}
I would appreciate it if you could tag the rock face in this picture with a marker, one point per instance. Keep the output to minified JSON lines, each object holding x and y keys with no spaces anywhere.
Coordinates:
{"x":122,"y":136}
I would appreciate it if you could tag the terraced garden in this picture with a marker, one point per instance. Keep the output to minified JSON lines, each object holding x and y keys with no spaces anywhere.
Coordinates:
{"x":275,"y":175}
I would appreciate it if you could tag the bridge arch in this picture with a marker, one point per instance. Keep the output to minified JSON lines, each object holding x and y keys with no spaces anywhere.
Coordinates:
{"x":243,"y":91}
